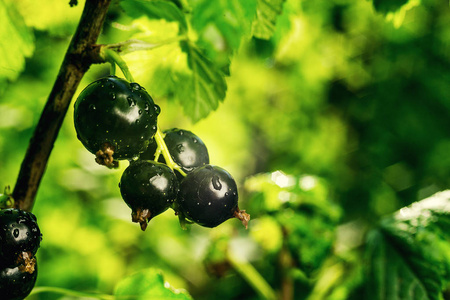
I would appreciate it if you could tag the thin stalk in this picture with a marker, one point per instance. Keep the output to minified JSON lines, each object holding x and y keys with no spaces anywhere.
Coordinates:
{"x":114,"y":57}
{"x":162,"y":148}
{"x":252,"y":276}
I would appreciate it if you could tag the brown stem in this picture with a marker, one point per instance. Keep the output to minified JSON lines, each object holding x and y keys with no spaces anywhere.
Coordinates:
{"x":79,"y":56}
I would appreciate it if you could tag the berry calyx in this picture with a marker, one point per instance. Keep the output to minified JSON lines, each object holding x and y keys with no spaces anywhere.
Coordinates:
{"x":19,"y":233}
{"x":115,"y":119}
{"x":208,"y":196}
{"x":186,"y":149}
{"x":148,"y":188}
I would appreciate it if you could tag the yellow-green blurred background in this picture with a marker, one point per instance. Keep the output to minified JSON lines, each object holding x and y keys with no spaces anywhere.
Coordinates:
{"x":338,"y":119}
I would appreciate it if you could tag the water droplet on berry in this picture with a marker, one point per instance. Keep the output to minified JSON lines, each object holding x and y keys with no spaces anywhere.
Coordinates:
{"x":180,"y":132}
{"x":92,"y":106}
{"x":137,"y":121}
{"x":194,"y":140}
{"x":157,"y":109}
{"x":113,"y":96}
{"x":142,"y":137}
{"x":209,"y":203}
{"x":146,"y":126}
{"x":140,"y":112}
{"x":154,"y":127}
{"x":16,"y":233}
{"x":180,"y":148}
{"x":227,"y":194}
{"x":131,"y":101}
{"x":216,"y":183}
{"x":135,"y":86}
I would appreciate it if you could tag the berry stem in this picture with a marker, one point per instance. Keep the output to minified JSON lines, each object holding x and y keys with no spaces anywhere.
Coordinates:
{"x":162,"y":148}
{"x":251,"y":275}
{"x":80,"y":54}
{"x":114,"y":58}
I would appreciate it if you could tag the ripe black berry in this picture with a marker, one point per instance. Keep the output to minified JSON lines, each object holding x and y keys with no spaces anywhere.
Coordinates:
{"x":208,"y":196}
{"x":19,"y":232}
{"x":148,"y":188}
{"x":186,"y":149}
{"x":16,"y":282}
{"x":115,"y":119}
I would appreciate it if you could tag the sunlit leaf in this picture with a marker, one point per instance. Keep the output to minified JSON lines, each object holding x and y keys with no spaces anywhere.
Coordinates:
{"x":17,"y":43}
{"x":233,"y":19}
{"x":53,"y":16}
{"x":155,"y":10}
{"x":203,"y":87}
{"x":410,"y":254}
{"x":149,"y":284}
{"x":266,"y":17}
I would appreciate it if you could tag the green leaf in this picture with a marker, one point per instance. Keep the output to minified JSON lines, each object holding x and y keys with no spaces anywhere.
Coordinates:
{"x":202,"y":88}
{"x":17,"y":43}
{"x":155,"y":10}
{"x":231,"y":18}
{"x":409,"y":254}
{"x":148,"y":284}
{"x":385,"y":6}
{"x":266,"y":17}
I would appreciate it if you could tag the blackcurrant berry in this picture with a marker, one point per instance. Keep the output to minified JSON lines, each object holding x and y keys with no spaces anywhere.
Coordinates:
{"x":19,"y":232}
{"x":186,"y":149}
{"x":16,"y":283}
{"x":115,"y":119}
{"x":148,"y":188}
{"x":209,"y":196}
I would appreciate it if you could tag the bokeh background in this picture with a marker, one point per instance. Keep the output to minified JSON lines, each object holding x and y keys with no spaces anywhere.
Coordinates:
{"x":340,"y":118}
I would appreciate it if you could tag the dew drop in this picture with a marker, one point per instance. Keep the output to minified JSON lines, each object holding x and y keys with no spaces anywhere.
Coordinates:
{"x":92,"y":106}
{"x":154,"y":127}
{"x":135,"y":86}
{"x":137,"y":121}
{"x":180,"y":148}
{"x":209,"y":203}
{"x":227,"y":194}
{"x":131,"y":101}
{"x":194,"y":140}
{"x":157,"y":109}
{"x":180,"y":132}
{"x":140,"y":112}
{"x":16,"y":233}
{"x":216,"y":183}
{"x":146,"y":126}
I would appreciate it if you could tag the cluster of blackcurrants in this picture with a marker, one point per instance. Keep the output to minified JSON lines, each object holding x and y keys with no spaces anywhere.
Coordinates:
{"x":117,"y":120}
{"x":20,"y":238}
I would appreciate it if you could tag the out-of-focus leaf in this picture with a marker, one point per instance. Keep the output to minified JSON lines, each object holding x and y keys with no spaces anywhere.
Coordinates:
{"x":149,"y":284}
{"x":155,"y":10}
{"x":203,"y":87}
{"x":233,"y":19}
{"x":266,"y":17}
{"x":409,"y":255}
{"x":17,"y":43}
{"x":386,"y":6}
{"x":53,"y":16}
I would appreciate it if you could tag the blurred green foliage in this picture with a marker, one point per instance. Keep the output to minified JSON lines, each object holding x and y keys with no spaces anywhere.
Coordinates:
{"x":333,"y":118}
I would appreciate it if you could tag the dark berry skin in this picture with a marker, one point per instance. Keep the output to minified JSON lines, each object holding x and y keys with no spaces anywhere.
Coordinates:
{"x":114,"y":112}
{"x":16,"y":283}
{"x":19,"y":232}
{"x":186,"y":149}
{"x":208,"y":196}
{"x":148,"y":188}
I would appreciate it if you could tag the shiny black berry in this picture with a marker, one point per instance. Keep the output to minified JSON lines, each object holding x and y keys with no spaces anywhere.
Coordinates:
{"x":17,"y":282}
{"x":208,"y":196}
{"x":19,"y":232}
{"x":186,"y":149}
{"x":115,"y":119}
{"x":148,"y":188}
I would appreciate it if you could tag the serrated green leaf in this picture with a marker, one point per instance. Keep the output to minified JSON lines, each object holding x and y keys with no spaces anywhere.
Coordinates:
{"x":231,"y":18}
{"x":202,"y":88}
{"x":410,"y":253}
{"x":17,"y":42}
{"x":155,"y":10}
{"x":148,"y":284}
{"x":266,"y":17}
